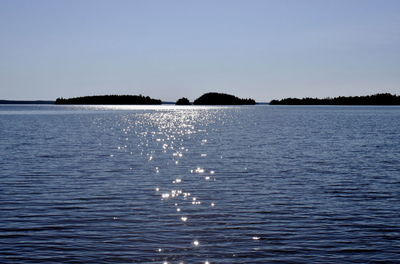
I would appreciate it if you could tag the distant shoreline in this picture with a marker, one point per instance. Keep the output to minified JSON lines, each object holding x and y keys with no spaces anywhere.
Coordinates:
{"x":383,"y":99}
{"x":26,"y":102}
{"x":375,"y":99}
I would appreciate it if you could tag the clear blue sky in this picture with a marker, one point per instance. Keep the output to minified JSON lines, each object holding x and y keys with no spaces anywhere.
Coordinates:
{"x":264,"y":49}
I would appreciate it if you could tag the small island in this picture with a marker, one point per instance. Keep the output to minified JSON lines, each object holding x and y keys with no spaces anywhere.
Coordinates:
{"x":183,"y":101}
{"x":376,"y":99}
{"x":222,"y":99}
{"x":110,"y":100}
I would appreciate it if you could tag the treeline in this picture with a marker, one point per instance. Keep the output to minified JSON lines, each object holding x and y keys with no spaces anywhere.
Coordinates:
{"x":110,"y":100}
{"x":376,"y":99}
{"x":205,"y":99}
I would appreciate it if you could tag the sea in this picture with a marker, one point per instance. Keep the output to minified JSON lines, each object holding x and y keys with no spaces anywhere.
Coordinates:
{"x":199,"y":184}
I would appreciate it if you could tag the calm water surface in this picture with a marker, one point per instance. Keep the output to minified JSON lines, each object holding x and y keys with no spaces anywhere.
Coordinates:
{"x":166,"y":184}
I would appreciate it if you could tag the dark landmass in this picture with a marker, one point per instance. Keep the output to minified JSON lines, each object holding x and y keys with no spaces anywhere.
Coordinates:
{"x":222,"y":99}
{"x":110,"y":100}
{"x":25,"y":102}
{"x":183,"y":101}
{"x":376,"y":99}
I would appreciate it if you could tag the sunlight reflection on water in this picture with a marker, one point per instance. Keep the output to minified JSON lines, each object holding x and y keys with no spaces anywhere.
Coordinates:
{"x":199,"y":184}
{"x":148,"y":107}
{"x":168,"y":133}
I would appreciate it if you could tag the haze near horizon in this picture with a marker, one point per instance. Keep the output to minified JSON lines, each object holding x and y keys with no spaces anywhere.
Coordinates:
{"x":170,"y":49}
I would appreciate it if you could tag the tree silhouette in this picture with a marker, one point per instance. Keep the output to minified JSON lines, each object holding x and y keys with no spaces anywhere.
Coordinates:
{"x":222,"y":99}
{"x":376,"y":99}
{"x":109,"y":100}
{"x":183,"y":101}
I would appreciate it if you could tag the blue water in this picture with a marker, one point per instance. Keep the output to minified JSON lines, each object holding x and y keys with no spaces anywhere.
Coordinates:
{"x":167,"y":184}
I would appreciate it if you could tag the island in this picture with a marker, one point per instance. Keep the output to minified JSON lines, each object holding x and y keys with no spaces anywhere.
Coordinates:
{"x":222,"y":99}
{"x":110,"y":100}
{"x":183,"y":101}
{"x":375,"y":99}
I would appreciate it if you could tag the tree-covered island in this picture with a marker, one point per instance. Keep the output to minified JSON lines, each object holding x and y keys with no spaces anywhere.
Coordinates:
{"x":110,"y":100}
{"x":222,"y":99}
{"x":183,"y":101}
{"x":376,"y":99}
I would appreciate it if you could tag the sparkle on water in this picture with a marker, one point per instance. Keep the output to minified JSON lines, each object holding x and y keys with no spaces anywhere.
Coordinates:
{"x":237,"y":185}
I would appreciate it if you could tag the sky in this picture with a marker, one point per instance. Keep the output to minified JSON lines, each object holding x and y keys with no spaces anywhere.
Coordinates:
{"x":167,"y":49}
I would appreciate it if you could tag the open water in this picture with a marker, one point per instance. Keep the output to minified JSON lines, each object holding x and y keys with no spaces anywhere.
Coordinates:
{"x":167,"y":184}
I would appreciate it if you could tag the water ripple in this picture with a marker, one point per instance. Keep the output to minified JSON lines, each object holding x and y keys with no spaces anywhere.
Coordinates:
{"x":198,"y":185}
